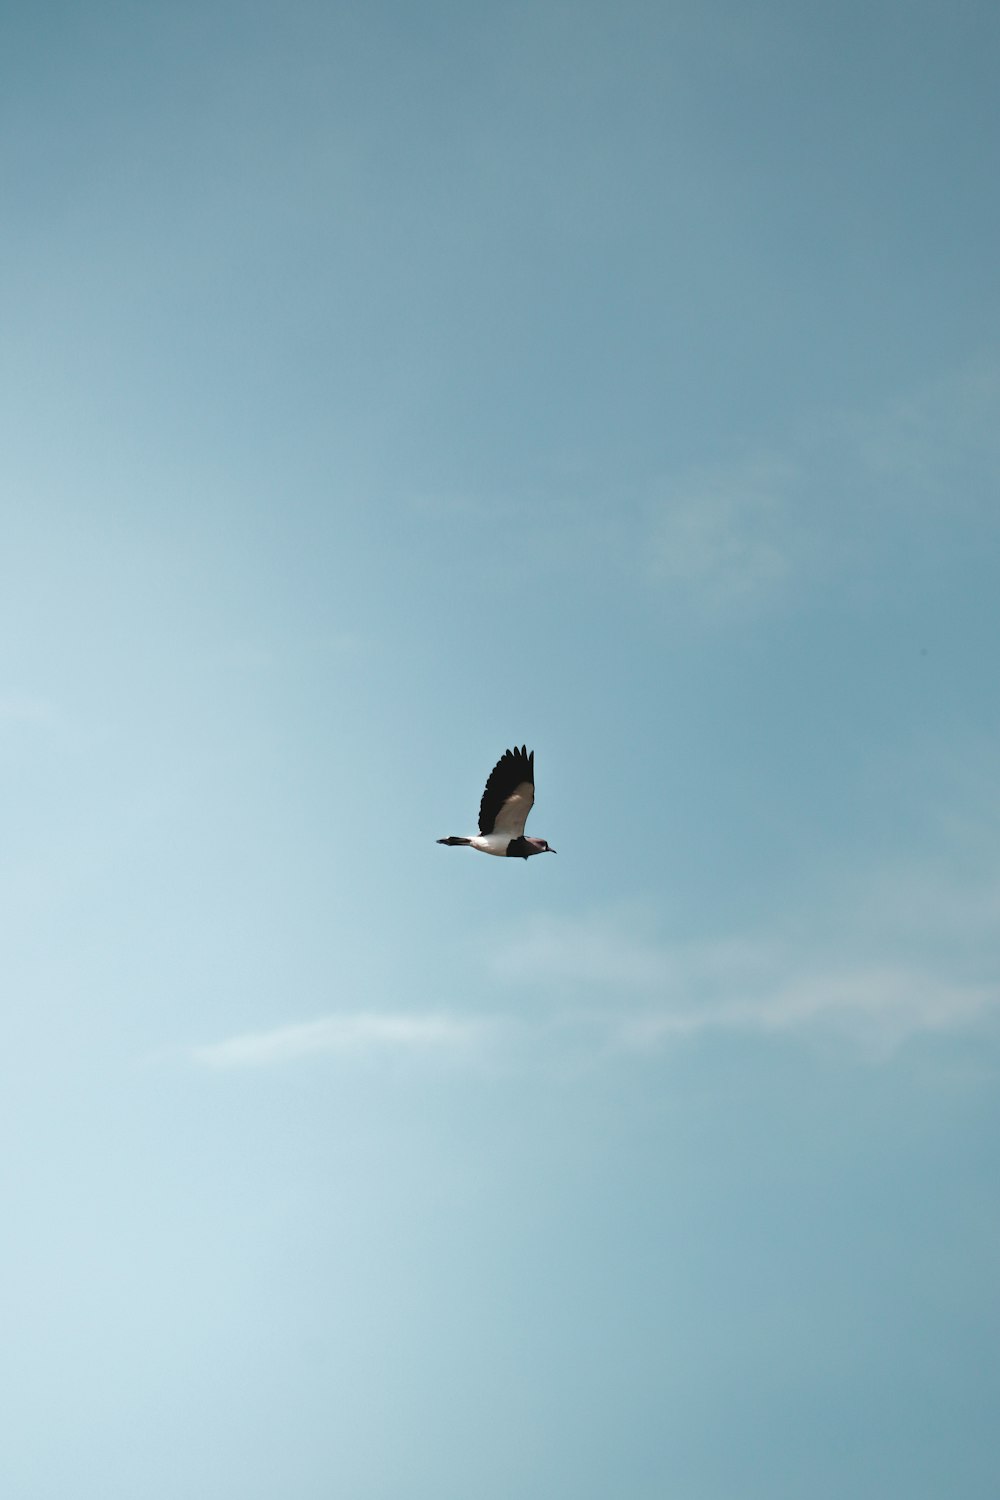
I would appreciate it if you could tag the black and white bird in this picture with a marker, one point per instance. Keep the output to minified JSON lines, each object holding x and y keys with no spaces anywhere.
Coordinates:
{"x":503,"y":812}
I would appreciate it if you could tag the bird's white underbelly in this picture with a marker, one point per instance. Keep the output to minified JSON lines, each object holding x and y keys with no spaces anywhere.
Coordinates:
{"x":491,"y":843}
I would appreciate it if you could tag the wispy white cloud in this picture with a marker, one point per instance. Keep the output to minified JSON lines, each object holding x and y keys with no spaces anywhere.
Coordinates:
{"x":606,"y":985}
{"x":650,"y":1000}
{"x":727,"y":538}
{"x":877,"y":1009}
{"x":642,"y":990}
{"x":825,"y":511}
{"x":356,"y":1034}
{"x":937,"y":436}
{"x":822,"y":511}
{"x":618,"y":949}
{"x":910,"y":950}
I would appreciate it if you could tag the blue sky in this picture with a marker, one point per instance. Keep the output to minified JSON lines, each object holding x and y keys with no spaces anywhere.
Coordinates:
{"x":382,"y":387}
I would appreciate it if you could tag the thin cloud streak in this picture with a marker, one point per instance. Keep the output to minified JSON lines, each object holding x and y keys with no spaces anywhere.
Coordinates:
{"x":876,"y":1009}
{"x":361,"y":1033}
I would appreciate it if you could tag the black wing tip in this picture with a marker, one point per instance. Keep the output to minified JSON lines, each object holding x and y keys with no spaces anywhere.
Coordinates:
{"x":518,"y":760}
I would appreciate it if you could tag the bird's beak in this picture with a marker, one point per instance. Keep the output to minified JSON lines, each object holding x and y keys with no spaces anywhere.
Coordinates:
{"x":550,"y":850}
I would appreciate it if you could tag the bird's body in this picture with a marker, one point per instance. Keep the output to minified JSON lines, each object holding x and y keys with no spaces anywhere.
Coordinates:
{"x":504,"y":809}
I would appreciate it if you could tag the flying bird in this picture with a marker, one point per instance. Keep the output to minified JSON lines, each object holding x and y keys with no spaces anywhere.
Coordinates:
{"x":503,"y":812}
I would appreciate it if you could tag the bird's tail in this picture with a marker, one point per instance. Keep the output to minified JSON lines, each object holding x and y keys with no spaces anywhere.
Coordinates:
{"x":454,"y":840}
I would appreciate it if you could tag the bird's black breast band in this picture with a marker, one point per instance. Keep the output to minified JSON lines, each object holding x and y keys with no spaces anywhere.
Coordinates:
{"x":519,"y":849}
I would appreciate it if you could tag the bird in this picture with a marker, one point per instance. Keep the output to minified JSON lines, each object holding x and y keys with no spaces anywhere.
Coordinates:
{"x":504,"y":809}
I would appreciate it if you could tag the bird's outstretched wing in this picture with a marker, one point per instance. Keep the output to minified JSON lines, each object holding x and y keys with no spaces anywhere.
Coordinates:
{"x":509,"y":794}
